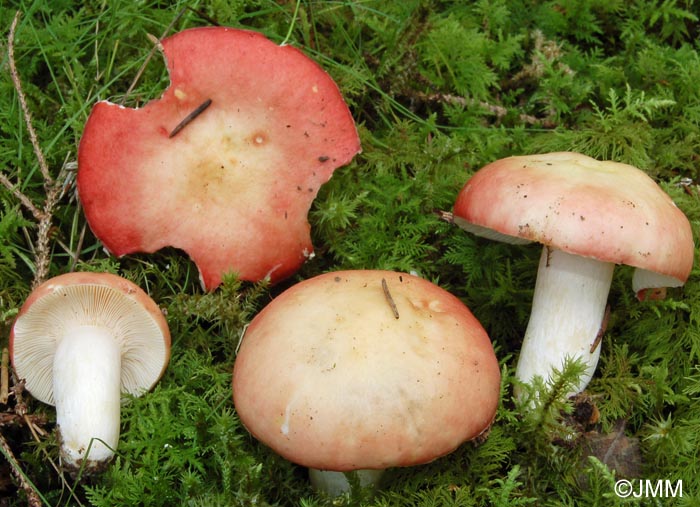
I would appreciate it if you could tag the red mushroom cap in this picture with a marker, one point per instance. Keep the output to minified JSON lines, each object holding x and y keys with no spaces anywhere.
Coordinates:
{"x":365,"y":370}
{"x":233,"y":187}
{"x":608,"y":211}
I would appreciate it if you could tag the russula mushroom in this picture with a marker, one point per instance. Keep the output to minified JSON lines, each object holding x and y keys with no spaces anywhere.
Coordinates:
{"x":225,"y":164}
{"x":589,"y":215}
{"x":79,"y":341}
{"x":365,"y":370}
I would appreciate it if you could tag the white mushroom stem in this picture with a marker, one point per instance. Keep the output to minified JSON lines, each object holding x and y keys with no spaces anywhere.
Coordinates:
{"x":336,"y":483}
{"x":568,"y":309}
{"x":86,"y":386}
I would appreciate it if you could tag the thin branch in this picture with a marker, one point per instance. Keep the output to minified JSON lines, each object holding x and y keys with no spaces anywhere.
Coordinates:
{"x":52,"y":188}
{"x":190,"y":117}
{"x":43,"y":166}
{"x":23,"y":199}
{"x":33,"y":496}
{"x":4,"y":376}
{"x":601,"y":331}
{"x":156,"y":46}
{"x":33,"y":499}
{"x":446,"y":216}
{"x":390,"y":299}
{"x":43,"y":242}
{"x":496,"y":110}
{"x":34,"y":422}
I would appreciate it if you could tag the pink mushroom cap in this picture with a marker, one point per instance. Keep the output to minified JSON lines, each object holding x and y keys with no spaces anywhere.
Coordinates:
{"x":608,"y":211}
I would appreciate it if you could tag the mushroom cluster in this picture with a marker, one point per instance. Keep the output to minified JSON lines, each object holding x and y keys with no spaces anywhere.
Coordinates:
{"x":365,"y":370}
{"x":348,"y":371}
{"x":589,"y":215}
{"x":225,"y":166}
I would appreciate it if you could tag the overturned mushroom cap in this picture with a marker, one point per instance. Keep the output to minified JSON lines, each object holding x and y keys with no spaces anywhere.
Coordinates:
{"x":365,"y":370}
{"x":608,"y":211}
{"x":225,"y":164}
{"x":67,"y":302}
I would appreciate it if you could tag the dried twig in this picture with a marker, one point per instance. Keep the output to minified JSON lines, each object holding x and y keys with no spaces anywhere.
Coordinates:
{"x":43,"y":166}
{"x":15,"y":417}
{"x":4,"y":376}
{"x":601,"y":331}
{"x":35,"y":423}
{"x":498,"y":111}
{"x":41,"y":249}
{"x":52,"y":189}
{"x":446,"y":216}
{"x":23,"y":199}
{"x":33,"y":499}
{"x":190,"y":117}
{"x":390,"y":299}
{"x":156,"y":46}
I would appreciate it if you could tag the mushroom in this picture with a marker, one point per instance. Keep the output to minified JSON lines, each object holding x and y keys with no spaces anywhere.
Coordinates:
{"x":589,"y":215}
{"x":225,"y":164}
{"x":365,"y":370}
{"x":79,"y":341}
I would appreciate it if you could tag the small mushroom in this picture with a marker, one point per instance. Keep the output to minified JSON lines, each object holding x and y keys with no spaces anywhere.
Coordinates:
{"x":225,"y":165}
{"x":79,"y":341}
{"x":589,"y":215}
{"x":365,"y":370}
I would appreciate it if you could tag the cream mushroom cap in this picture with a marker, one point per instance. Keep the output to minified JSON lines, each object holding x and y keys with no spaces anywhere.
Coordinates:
{"x":365,"y":370}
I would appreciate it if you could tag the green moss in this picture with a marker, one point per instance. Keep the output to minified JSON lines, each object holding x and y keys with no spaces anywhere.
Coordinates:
{"x":439,"y":89}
